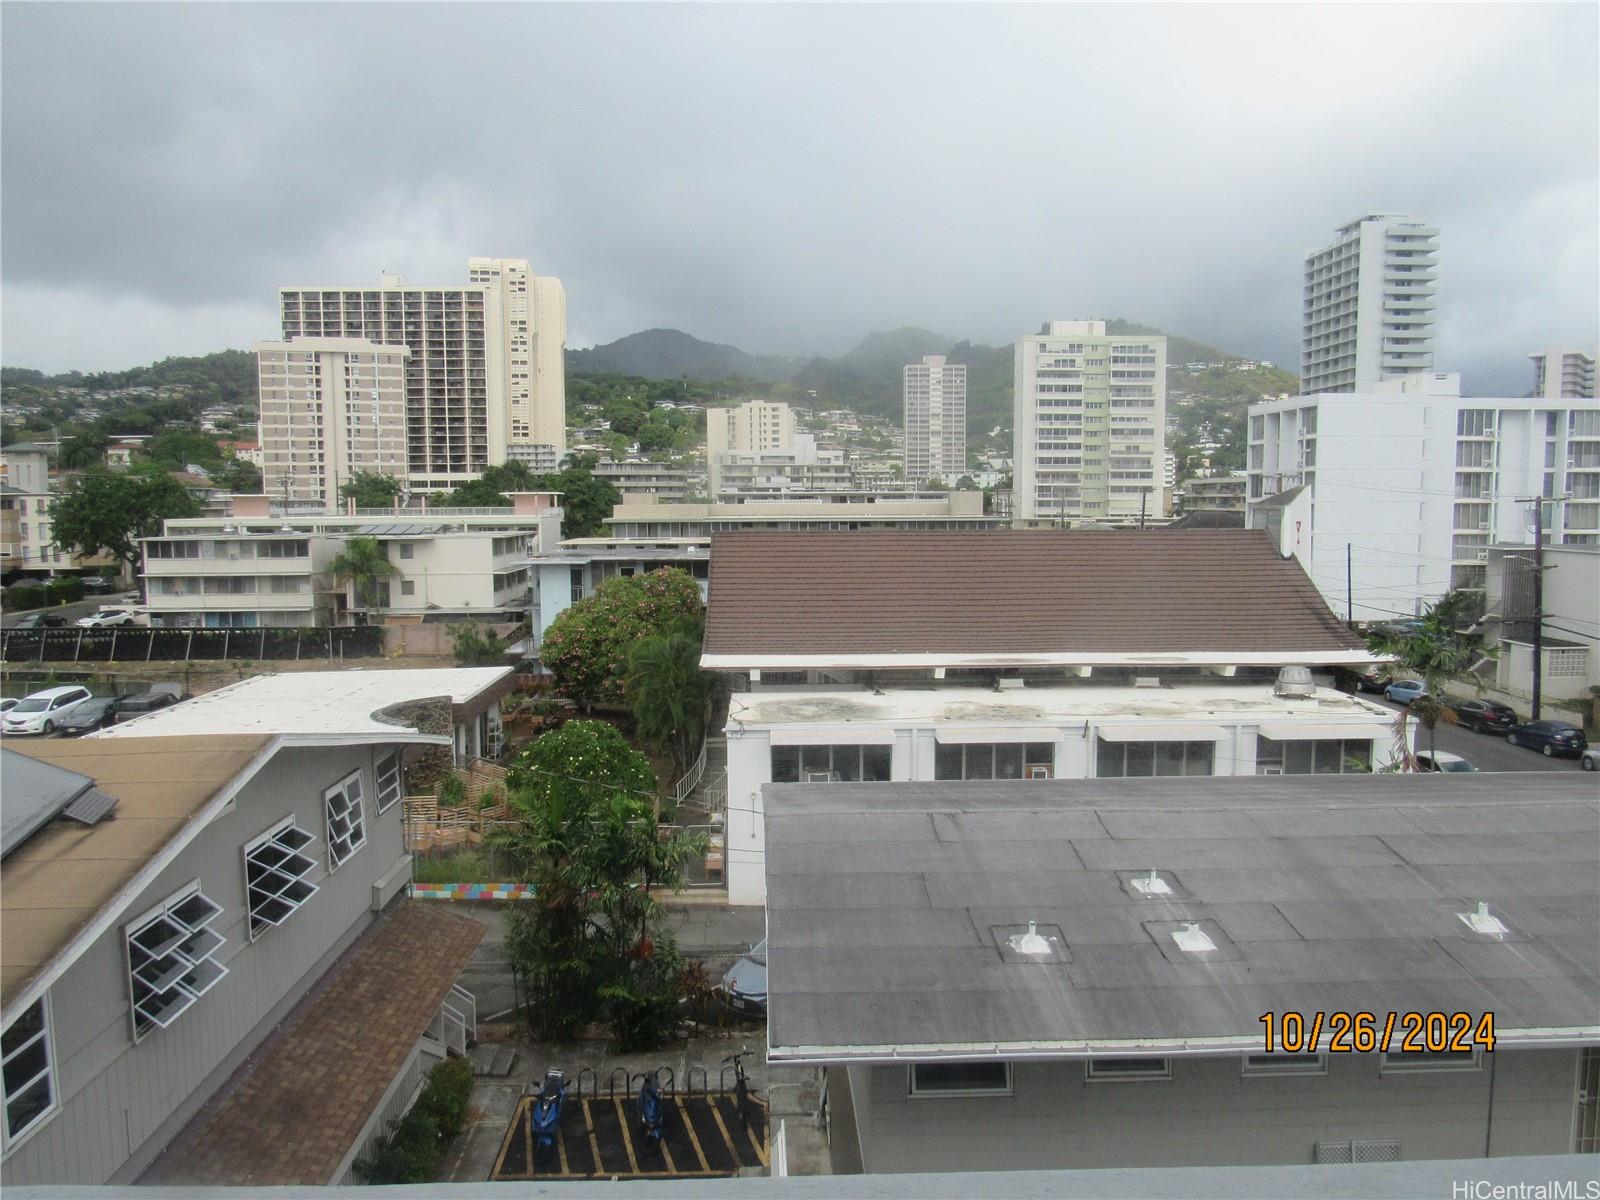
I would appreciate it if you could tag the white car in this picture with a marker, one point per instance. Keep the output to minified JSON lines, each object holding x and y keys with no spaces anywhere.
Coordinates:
{"x":40,"y":712}
{"x":107,"y":617}
{"x":1591,"y":759}
{"x":1441,"y":760}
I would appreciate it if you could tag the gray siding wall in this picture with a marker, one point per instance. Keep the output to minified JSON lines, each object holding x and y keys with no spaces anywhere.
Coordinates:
{"x":121,"y":1101}
{"x":1209,"y":1114}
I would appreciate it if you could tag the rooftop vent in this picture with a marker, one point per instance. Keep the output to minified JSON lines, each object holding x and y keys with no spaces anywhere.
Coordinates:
{"x":1295,"y":683}
{"x":1031,"y":942}
{"x":1008,"y":684}
{"x":1480,"y":921}
{"x":1153,"y":681}
{"x":1150,"y":885}
{"x":1192,"y":939}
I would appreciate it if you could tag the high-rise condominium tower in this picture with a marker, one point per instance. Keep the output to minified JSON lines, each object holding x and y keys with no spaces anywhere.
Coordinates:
{"x":534,"y":313}
{"x":330,"y":407}
{"x":1369,"y":305}
{"x":1089,"y":424}
{"x":1563,"y":375}
{"x":459,"y":376}
{"x":935,"y":394}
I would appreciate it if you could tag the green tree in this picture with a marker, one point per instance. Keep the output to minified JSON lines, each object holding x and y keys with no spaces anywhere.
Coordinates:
{"x":1439,"y":648}
{"x":371,"y":489}
{"x":586,"y":499}
{"x":364,"y":564}
{"x":475,"y":646}
{"x":586,"y":646}
{"x":592,"y":942}
{"x":669,"y":694}
{"x":105,"y":511}
{"x":82,"y":450}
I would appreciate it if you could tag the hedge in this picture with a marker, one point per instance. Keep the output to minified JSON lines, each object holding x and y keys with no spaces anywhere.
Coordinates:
{"x":412,"y":1149}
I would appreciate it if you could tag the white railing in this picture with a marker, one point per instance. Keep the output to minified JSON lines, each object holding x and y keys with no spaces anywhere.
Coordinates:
{"x":715,"y":794}
{"x":691,"y":778}
{"x":456,"y":1022}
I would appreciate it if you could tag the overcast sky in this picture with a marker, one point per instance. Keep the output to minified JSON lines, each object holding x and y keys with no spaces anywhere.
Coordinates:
{"x":788,"y":179}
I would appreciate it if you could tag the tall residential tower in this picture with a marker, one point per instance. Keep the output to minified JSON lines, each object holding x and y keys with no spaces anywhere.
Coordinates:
{"x":1563,"y":375}
{"x":1369,"y":305}
{"x":1090,"y":425}
{"x":935,"y":395}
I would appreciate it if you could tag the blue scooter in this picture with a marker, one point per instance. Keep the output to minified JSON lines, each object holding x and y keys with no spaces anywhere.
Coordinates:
{"x":650,"y":1108}
{"x":546,"y":1116}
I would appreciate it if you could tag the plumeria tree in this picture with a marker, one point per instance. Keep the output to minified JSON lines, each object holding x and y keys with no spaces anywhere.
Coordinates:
{"x":586,"y":647}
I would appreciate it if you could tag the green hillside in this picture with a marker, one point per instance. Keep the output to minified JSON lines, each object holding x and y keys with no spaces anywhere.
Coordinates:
{"x":673,"y":354}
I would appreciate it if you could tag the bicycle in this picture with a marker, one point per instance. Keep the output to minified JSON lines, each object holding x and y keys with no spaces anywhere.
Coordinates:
{"x":741,"y":1085}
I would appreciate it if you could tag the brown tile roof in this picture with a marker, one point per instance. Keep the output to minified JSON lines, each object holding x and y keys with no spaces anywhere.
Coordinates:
{"x":55,"y":883}
{"x":290,"y":1114}
{"x":1012,"y":593}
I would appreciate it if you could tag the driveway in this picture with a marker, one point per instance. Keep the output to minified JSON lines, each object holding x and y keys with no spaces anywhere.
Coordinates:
{"x":1489,"y":752}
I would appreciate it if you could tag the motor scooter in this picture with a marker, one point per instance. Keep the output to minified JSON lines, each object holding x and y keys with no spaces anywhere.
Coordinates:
{"x":650,"y":1106}
{"x":546,"y":1115}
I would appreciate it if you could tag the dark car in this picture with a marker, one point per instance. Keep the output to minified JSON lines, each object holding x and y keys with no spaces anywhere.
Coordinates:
{"x":100,"y":584}
{"x":39,"y":620}
{"x":1484,"y":716}
{"x":130,"y":707}
{"x":89,"y":716}
{"x":1551,"y":737}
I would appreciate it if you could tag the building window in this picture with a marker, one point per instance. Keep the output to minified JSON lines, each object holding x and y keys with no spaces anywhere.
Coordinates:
{"x":1128,"y":1068}
{"x":388,"y":774}
{"x":999,"y":760}
{"x":407,"y":550}
{"x":1285,"y":1064}
{"x":960,"y":1079}
{"x":1313,"y":756}
{"x":1430,"y":1060}
{"x":1567,"y":662}
{"x":275,"y":871}
{"x":1117,"y":760}
{"x":171,"y":959}
{"x":408,"y":587}
{"x":347,"y":828}
{"x":30,"y":1087}
{"x":830,"y":764}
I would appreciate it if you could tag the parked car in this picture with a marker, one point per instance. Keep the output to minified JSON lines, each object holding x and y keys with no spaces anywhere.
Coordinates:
{"x":99,"y":584}
{"x":1589,"y":760}
{"x":7,"y":704}
{"x":1372,"y":681}
{"x":1484,"y":716}
{"x":1404,"y":691}
{"x":97,"y":713}
{"x":1440,"y":760}
{"x":39,"y":620}
{"x":159,"y":697}
{"x":42,"y":711}
{"x":1550,"y":737}
{"x":744,"y":987}
{"x":107,"y":617}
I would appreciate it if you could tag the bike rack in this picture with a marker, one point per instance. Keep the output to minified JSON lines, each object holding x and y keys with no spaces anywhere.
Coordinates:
{"x":722,"y":1078}
{"x":594,"y":1086}
{"x":688,"y":1082}
{"x":666,"y":1078}
{"x":611,"y":1084}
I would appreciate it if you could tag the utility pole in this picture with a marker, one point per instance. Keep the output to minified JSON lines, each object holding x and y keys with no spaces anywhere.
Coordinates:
{"x":1144,"y":494}
{"x":1349,"y":588}
{"x":1538,"y":503}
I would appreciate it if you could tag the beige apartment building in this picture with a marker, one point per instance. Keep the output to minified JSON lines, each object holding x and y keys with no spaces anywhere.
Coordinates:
{"x":745,"y":433}
{"x":935,"y":402}
{"x":534,"y":312}
{"x":330,"y":407}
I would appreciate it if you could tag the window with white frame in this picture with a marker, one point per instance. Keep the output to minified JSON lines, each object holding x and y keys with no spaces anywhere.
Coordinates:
{"x":1430,"y":1060}
{"x":1285,"y":1064}
{"x":275,"y":870}
{"x":960,"y":1079}
{"x":30,"y":1086}
{"x":1118,"y":760}
{"x":172,"y":959}
{"x":1129,"y":1068}
{"x":347,"y":826}
{"x":996,"y":760}
{"x":388,"y":776}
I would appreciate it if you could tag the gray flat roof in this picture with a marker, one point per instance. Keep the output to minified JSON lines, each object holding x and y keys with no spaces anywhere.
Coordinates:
{"x":889,"y":906}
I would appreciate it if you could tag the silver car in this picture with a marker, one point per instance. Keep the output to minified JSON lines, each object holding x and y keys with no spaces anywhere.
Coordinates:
{"x":744,"y":987}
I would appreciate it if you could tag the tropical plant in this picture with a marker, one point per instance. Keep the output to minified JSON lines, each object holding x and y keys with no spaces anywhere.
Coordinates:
{"x":475,"y":646}
{"x":451,"y":791}
{"x":586,"y":646}
{"x":371,"y":489}
{"x":1439,"y":648}
{"x":669,"y":694}
{"x":363,"y":564}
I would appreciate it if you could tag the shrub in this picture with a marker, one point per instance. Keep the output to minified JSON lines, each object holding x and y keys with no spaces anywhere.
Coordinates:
{"x":465,"y":866}
{"x":24,"y":596}
{"x":411,"y":1150}
{"x":64,"y":589}
{"x":446,"y":1095}
{"x":452,"y":790}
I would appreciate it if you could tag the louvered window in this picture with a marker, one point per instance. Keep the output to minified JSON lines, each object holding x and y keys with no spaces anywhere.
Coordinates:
{"x":275,"y":871}
{"x":388,"y":774}
{"x":172,"y":959}
{"x":347,"y":826}
{"x":30,"y":1090}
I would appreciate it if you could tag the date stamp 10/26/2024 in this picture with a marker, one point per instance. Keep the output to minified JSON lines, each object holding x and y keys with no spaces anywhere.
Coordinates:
{"x":1340,"y":1032}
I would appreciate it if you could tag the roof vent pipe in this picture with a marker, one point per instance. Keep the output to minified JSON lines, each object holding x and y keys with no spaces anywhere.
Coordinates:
{"x":1031,"y":942}
{"x":1151,"y":884}
{"x":1192,"y":939}
{"x":1480,"y":921}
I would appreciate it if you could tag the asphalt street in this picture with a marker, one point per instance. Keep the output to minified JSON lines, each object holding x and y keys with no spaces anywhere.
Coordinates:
{"x":78,"y":608}
{"x":1489,"y":752}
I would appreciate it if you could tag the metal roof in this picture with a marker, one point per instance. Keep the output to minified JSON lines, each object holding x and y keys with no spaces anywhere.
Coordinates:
{"x":35,"y":792}
{"x":1323,"y":893}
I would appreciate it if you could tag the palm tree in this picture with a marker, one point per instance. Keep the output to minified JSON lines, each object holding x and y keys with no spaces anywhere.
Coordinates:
{"x":1439,"y":648}
{"x":364,"y":564}
{"x":669,"y":693}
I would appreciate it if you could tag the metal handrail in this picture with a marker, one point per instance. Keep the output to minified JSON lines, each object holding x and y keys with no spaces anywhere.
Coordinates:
{"x":691,"y":777}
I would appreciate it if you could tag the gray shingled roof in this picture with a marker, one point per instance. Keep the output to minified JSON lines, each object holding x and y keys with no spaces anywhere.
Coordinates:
{"x":887,"y":906}
{"x":1006,"y":592}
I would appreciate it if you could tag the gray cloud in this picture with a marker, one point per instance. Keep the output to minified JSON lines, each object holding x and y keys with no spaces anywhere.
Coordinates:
{"x":788,"y":178}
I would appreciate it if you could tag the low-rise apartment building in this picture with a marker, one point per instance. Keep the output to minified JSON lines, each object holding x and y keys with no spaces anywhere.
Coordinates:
{"x":882,"y":657}
{"x":26,"y":540}
{"x":1570,"y":632}
{"x":269,"y":565}
{"x":638,"y":477}
{"x":1221,"y":493}
{"x":210,"y":975}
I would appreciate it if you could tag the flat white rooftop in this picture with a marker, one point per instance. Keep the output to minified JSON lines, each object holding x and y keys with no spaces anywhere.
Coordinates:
{"x":330,"y":704}
{"x":1055,"y":706}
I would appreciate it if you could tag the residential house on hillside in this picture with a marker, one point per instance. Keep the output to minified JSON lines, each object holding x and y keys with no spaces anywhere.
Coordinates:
{"x":871,"y":656}
{"x":1017,"y":976}
{"x":169,"y":901}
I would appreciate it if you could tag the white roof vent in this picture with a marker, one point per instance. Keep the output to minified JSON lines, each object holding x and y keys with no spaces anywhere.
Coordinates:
{"x":1192,"y":939}
{"x":1480,"y":921}
{"x":1148,"y":681}
{"x":1150,"y":885}
{"x":1031,"y":942}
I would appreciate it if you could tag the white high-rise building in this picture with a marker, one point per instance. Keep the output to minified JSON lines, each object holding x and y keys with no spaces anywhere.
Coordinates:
{"x":534,"y":313}
{"x":1563,"y":374}
{"x":1369,"y":305}
{"x":935,"y":396}
{"x":1407,"y":487}
{"x":1089,"y":425}
{"x":459,"y":377}
{"x":330,"y":407}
